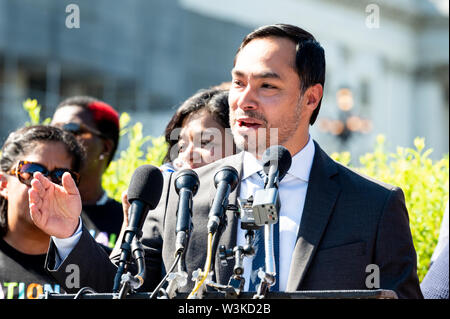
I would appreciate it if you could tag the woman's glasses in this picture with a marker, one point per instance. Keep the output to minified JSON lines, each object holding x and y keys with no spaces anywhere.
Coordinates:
{"x":79,"y":129}
{"x":24,"y":172}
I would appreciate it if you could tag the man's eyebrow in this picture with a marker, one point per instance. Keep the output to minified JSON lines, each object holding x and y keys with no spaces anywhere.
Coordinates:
{"x":262,"y":75}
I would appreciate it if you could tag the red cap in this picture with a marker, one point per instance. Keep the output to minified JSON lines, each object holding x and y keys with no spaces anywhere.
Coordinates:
{"x":104,"y":112}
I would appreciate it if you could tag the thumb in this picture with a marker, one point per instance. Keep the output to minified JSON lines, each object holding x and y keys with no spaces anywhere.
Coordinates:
{"x":69,"y":184}
{"x":125,"y":206}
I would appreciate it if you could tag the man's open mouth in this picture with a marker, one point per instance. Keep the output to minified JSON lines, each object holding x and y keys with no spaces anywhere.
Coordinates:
{"x":249,"y":123}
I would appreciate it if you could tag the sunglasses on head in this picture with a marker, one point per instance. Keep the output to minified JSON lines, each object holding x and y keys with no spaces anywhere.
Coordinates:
{"x":24,"y":172}
{"x":80,"y":128}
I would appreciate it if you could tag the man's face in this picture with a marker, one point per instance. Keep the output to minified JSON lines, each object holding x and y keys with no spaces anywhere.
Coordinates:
{"x":265,"y":97}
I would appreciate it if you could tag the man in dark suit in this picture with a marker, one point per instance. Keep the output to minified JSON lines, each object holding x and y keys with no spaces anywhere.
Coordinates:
{"x":334,"y":223}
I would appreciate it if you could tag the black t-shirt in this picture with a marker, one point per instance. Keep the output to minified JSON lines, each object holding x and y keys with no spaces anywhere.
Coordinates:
{"x":103,"y":221}
{"x":23,"y":276}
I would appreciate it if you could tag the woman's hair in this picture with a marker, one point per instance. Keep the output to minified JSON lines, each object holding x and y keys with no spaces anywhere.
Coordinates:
{"x":213,"y":100}
{"x":22,"y":142}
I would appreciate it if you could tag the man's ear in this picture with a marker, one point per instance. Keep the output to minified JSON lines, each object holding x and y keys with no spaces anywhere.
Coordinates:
{"x":3,"y":184}
{"x":312,"y":96}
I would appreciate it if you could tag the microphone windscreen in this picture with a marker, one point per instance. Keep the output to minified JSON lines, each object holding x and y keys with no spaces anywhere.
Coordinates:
{"x":277,"y":155}
{"x":187,"y":178}
{"x":227,"y":174}
{"x":146,"y":185}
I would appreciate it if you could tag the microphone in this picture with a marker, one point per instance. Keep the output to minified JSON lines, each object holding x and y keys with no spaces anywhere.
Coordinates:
{"x":276,"y":162}
{"x":225,"y":181}
{"x":144,"y":194}
{"x":186,"y":186}
{"x":266,"y":204}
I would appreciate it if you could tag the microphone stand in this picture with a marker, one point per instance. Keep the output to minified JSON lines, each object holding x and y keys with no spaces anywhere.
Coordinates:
{"x":237,"y":281}
{"x":129,"y":282}
{"x":176,"y":279}
{"x":268,"y":277}
{"x":210,"y":276}
{"x":128,"y":246}
{"x":216,"y":238}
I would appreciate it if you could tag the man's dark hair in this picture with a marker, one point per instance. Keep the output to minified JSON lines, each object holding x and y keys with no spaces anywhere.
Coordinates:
{"x":22,"y":142}
{"x":105,"y":117}
{"x":213,"y":100}
{"x":309,"y":56}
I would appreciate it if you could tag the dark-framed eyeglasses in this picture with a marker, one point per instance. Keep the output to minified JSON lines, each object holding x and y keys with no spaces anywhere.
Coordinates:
{"x":80,"y":128}
{"x":24,"y":171}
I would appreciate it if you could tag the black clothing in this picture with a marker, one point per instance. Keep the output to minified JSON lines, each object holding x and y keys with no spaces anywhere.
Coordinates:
{"x":23,"y":276}
{"x":103,"y":221}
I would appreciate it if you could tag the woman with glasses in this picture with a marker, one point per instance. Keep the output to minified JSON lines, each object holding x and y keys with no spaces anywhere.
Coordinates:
{"x":95,"y":124}
{"x":52,"y":154}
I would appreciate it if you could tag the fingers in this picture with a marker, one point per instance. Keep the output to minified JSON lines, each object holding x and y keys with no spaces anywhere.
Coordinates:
{"x":35,"y":204}
{"x":69,"y":184}
{"x":35,"y":214}
{"x":34,"y":198}
{"x":125,"y":206}
{"x":125,"y":198}
{"x":36,"y":193}
{"x":46,"y":183}
{"x":38,"y":187}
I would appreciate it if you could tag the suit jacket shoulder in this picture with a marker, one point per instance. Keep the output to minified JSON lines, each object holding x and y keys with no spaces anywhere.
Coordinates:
{"x":351,"y":221}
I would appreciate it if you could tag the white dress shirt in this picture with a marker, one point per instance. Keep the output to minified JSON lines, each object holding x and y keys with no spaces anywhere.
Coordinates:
{"x":292,"y":192}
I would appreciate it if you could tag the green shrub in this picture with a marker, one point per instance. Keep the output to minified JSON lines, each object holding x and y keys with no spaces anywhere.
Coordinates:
{"x":117,"y":177}
{"x":34,"y":112}
{"x":424,"y":183}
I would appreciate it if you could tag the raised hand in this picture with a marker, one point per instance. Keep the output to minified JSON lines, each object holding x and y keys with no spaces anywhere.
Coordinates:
{"x":55,"y":209}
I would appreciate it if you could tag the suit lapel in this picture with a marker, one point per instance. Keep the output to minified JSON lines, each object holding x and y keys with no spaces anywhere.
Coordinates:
{"x":319,"y":203}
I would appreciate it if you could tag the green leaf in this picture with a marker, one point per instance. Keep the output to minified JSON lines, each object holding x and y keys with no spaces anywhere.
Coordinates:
{"x":424,"y":183}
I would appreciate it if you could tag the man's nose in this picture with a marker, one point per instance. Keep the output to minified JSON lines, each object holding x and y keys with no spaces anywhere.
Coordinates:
{"x":247,"y":99}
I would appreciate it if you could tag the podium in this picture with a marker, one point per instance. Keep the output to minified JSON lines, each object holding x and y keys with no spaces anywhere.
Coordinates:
{"x":311,"y":294}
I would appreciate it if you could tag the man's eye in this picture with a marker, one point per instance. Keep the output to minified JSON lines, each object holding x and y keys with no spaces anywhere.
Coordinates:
{"x":237,"y":83}
{"x":268,"y":86}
